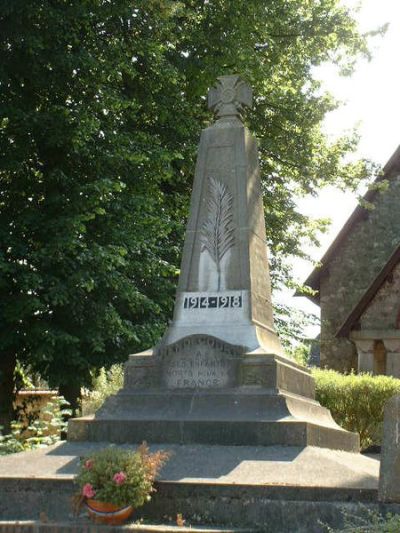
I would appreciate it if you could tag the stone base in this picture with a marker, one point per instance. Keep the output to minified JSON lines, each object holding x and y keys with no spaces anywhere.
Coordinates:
{"x":226,"y":417}
{"x":277,"y":489}
{"x":217,"y":370}
{"x":266,"y":400}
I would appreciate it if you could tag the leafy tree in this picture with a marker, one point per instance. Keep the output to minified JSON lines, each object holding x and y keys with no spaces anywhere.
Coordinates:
{"x":83,"y":224}
{"x":101,"y":108}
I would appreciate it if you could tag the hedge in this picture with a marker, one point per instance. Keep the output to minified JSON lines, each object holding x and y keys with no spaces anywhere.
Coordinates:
{"x":356,"y":401}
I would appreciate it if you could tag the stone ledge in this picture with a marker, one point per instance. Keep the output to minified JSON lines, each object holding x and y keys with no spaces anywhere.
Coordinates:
{"x":260,"y":509}
{"x":258,"y":370}
{"x":287,"y":489}
{"x":85,"y":526}
{"x":203,"y":432}
{"x":308,"y":467}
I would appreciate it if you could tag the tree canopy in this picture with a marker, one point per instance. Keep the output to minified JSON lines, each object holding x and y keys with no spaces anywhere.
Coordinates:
{"x":101,"y":107}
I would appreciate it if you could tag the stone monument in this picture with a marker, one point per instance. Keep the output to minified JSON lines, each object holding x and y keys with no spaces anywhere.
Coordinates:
{"x":389,"y":476}
{"x":219,"y":374}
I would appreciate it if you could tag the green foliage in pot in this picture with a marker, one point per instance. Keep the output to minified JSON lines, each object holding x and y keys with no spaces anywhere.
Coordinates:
{"x":119,"y":476}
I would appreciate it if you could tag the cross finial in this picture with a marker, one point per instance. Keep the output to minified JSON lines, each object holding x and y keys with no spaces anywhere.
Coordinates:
{"x":229,"y":97}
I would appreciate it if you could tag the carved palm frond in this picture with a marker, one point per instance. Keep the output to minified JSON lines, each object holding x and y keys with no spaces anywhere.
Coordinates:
{"x":217,"y":232}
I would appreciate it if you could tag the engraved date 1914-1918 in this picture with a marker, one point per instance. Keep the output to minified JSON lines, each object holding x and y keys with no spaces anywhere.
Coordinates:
{"x":212,"y":302}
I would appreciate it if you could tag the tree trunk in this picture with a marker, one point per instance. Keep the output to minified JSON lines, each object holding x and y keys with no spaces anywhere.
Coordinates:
{"x":7,"y":369}
{"x":72,"y":393}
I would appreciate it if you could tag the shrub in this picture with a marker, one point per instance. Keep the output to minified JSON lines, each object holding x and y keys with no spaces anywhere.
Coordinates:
{"x":107,"y":382}
{"x":10,"y":443}
{"x":356,"y":401}
{"x":300,"y":353}
{"x":43,"y":431}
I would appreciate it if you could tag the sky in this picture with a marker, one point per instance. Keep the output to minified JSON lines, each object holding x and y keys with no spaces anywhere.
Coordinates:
{"x":371,"y":99}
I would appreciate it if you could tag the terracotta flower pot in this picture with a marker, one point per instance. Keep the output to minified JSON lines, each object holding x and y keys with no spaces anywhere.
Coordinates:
{"x":108,"y":513}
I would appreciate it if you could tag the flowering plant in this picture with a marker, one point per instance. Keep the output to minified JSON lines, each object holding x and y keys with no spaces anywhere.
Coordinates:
{"x":119,"y":476}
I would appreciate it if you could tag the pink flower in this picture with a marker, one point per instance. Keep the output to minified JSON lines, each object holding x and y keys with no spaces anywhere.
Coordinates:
{"x":119,"y":478}
{"x":89,"y":464}
{"x":88,"y":491}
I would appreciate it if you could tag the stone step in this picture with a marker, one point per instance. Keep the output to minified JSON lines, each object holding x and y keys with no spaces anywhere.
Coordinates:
{"x":242,"y":404}
{"x":272,"y":509}
{"x":238,"y":417}
{"x":84,"y":526}
{"x":237,"y":433}
{"x":296,"y":510}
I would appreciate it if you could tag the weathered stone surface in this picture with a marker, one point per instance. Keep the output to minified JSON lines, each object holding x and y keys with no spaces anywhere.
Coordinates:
{"x":142,"y":371}
{"x":237,"y":368}
{"x":286,"y":489}
{"x":229,"y":97}
{"x":241,"y":416}
{"x":389,"y":479}
{"x":200,"y":362}
{"x":260,"y":508}
{"x":277,"y":374}
{"x":224,"y":286}
{"x":239,"y":433}
{"x":383,"y":311}
{"x":310,"y":468}
{"x":365,"y":353}
{"x":273,"y":516}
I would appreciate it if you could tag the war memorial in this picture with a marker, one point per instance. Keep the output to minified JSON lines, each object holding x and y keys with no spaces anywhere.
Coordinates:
{"x":252,"y":450}
{"x":219,"y":374}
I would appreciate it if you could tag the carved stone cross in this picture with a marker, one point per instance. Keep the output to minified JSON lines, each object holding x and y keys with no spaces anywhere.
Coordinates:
{"x":230,"y":97}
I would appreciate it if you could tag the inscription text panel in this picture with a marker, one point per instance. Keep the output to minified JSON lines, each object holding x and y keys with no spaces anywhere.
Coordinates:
{"x":200,"y":362}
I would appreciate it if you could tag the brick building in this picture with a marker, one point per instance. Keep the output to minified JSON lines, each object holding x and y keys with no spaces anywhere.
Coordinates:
{"x":358,"y":285}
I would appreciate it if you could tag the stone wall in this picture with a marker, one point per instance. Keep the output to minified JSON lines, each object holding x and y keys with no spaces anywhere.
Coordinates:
{"x":356,"y":263}
{"x":382,"y":312}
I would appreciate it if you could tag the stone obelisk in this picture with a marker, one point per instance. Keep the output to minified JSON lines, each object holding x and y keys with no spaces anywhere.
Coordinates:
{"x":219,"y":374}
{"x":224,"y":287}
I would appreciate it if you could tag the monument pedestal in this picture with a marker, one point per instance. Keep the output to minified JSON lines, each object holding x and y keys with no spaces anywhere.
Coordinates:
{"x":265,"y":400}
